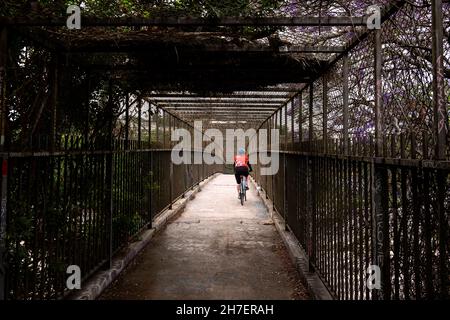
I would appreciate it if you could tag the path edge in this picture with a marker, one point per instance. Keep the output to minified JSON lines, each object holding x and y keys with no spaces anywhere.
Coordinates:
{"x":314,"y":284}
{"x":101,"y":280}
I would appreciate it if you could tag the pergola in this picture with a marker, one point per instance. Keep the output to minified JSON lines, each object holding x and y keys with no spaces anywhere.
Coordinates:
{"x":188,"y":69}
{"x":196,"y":75}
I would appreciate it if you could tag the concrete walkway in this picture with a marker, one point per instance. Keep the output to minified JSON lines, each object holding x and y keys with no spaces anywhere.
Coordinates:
{"x":217,"y":249}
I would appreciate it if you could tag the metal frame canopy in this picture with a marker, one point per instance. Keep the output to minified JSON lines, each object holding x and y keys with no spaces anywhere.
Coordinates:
{"x":189,"y":21}
{"x":208,"y":72}
{"x":351,"y":124}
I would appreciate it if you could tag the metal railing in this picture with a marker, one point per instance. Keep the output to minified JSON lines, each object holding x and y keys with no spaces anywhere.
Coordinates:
{"x":377,"y":195}
{"x":82,"y":204}
{"x":347,"y":221}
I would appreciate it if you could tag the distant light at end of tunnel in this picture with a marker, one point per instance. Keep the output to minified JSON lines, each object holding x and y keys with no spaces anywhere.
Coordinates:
{"x":227,"y":122}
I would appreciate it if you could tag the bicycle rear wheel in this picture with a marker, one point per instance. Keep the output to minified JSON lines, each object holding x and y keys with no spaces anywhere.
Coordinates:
{"x":245,"y":189}
{"x":242,"y":194}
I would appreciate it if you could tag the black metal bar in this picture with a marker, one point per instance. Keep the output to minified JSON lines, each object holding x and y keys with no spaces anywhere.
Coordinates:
{"x":416,"y":214}
{"x":440,"y":110}
{"x":345,"y":80}
{"x":139,"y":45}
{"x":285,"y":128}
{"x":311,"y":110}
{"x":109,"y":179}
{"x":396,"y":234}
{"x":139,"y":106}
{"x":53,"y":84}
{"x":360,"y":226}
{"x":313,"y":49}
{"x":157,"y":126}
{"x":328,"y":221}
{"x":335,"y":226}
{"x":379,"y":132}
{"x":171,"y":177}
{"x":127,"y":120}
{"x":300,"y":119}
{"x":351,"y":229}
{"x":292,"y":124}
{"x":404,"y":222}
{"x":367,"y":222}
{"x":260,"y":95}
{"x":150,"y":116}
{"x":443,"y":234}
{"x":88,"y":114}
{"x":340,"y":240}
{"x":208,"y":102}
{"x":164,"y":129}
{"x":285,"y":192}
{"x":441,"y":132}
{"x":345,"y":218}
{"x":325,"y":113}
{"x":275,"y":126}
{"x":189,"y":21}
{"x":381,"y":230}
{"x":5,"y":160}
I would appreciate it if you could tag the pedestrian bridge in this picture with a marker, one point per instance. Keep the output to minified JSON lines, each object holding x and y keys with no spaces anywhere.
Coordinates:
{"x":227,"y":251}
{"x":356,"y":99}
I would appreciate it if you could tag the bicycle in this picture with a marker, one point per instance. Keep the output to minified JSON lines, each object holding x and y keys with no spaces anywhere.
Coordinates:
{"x":243,"y":190}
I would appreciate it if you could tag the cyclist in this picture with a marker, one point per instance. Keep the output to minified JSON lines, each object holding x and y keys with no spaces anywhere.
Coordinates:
{"x":242,"y":167}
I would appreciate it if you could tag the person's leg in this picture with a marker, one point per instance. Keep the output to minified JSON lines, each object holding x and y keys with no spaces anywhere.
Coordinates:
{"x":246,"y":181}
{"x":237,"y":175}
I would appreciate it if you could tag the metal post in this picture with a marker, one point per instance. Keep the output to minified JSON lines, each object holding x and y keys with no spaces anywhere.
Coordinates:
{"x":311,"y":110}
{"x":150,"y":153}
{"x":185,"y":171}
{"x":139,"y":103}
{"x":164,"y":129}
{"x":171,"y":163}
{"x":325,"y":113}
{"x":285,"y":206}
{"x":150,"y":225}
{"x":170,"y":130}
{"x":284,"y":167}
{"x":171,"y":184}
{"x":378,"y":97}
{"x":109,"y":178}
{"x":281,"y":126}
{"x":440,"y":128}
{"x":311,"y":180}
{"x":149,"y":192}
{"x":88,"y":96}
{"x":345,"y":103}
{"x":203,"y":156}
{"x":3,"y":66}
{"x":4,"y":185}
{"x":300,"y":118}
{"x":149,"y":125}
{"x":292,"y":122}
{"x":54,"y":100}
{"x":273,"y":180}
{"x":285,"y":128}
{"x":380,"y":188}
{"x":380,"y":227}
{"x":440,"y":116}
{"x":127,"y":120}
{"x":267,"y":149}
{"x":157,"y":125}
